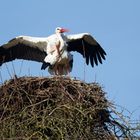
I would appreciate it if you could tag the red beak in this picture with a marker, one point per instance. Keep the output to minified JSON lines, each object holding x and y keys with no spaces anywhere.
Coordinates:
{"x":64,"y":30}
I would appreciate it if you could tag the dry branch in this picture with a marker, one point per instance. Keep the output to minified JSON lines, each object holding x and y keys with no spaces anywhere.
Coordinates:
{"x":57,"y":108}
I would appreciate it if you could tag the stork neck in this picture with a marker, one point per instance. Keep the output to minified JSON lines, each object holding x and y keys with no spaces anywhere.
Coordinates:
{"x":60,"y":37}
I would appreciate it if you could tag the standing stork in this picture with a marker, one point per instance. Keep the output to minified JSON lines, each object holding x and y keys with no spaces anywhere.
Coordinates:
{"x":53,"y":51}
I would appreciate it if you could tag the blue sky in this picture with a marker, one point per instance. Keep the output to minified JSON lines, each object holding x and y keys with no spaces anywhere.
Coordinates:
{"x":114,"y":24}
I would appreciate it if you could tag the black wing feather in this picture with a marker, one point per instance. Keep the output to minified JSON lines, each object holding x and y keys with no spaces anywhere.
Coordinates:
{"x":21,"y":51}
{"x":87,"y":59}
{"x":99,"y":57}
{"x":89,"y":48}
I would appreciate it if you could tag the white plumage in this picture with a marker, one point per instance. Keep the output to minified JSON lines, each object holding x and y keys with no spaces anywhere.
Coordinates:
{"x":53,"y":51}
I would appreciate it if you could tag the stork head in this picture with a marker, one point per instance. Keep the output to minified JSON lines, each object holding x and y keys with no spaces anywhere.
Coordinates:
{"x":61,"y":30}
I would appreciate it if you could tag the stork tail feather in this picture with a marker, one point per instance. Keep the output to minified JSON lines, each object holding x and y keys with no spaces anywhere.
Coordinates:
{"x":45,"y":65}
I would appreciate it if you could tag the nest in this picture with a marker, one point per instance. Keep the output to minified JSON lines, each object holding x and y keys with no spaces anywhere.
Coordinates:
{"x":57,"y":108}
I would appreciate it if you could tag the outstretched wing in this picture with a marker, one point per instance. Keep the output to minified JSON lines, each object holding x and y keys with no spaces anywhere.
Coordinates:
{"x":87,"y":46}
{"x":23,"y":47}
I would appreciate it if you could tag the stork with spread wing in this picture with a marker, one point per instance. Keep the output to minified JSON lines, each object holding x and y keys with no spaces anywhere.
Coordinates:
{"x":53,"y":51}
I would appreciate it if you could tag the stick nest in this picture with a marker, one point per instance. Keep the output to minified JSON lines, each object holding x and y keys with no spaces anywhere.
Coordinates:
{"x":57,"y":108}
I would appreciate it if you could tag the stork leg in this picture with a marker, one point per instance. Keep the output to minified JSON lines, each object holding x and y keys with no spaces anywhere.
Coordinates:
{"x":68,"y":68}
{"x":56,"y":70}
{"x":60,"y":69}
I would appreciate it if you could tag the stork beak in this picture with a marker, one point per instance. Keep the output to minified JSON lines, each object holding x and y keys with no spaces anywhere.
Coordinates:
{"x":64,"y":30}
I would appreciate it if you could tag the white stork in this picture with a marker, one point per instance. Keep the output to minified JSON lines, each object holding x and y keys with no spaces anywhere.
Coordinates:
{"x":53,"y":51}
